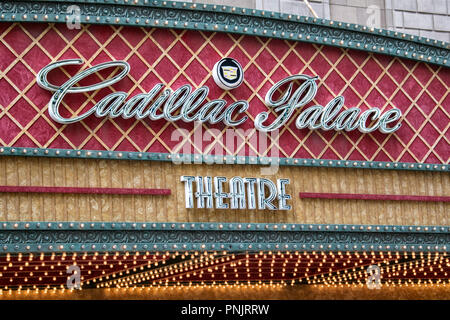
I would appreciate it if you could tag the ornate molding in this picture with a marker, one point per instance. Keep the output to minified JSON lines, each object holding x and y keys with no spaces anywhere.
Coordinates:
{"x":233,"y":237}
{"x":171,"y":14}
{"x":212,"y":159}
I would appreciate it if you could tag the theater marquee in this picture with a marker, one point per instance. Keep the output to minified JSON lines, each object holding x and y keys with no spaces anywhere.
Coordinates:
{"x":165,"y":130}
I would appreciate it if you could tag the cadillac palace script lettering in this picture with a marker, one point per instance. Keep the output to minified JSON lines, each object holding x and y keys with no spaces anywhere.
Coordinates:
{"x":189,"y":105}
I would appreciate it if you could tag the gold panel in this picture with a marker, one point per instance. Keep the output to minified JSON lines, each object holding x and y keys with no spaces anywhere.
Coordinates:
{"x":61,"y":172}
{"x":416,"y":292}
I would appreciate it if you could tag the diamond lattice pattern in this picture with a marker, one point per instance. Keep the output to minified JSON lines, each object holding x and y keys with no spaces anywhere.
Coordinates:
{"x":177,"y":57}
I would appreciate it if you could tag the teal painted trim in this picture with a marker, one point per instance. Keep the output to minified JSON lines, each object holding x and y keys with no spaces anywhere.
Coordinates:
{"x":211,"y":159}
{"x":217,"y":18}
{"x":18,"y":237}
{"x":217,"y":226}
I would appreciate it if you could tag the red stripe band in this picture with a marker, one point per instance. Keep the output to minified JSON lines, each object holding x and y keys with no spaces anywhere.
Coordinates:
{"x":75,"y":190}
{"x":352,"y":196}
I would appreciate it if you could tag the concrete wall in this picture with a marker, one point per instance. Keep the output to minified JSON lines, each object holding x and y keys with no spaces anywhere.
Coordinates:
{"x":427,"y":18}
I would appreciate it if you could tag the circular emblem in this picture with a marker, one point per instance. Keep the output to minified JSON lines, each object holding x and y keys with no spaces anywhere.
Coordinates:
{"x":228,"y":74}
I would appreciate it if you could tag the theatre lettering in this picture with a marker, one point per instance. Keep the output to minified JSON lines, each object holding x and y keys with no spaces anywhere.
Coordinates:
{"x":245,"y":193}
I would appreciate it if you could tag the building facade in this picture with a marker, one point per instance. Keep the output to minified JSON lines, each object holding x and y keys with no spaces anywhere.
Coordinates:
{"x":418,"y":17}
{"x":221,"y":151}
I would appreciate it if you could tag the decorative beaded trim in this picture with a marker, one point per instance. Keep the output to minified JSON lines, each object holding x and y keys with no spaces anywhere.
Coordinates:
{"x":182,"y":15}
{"x":211,"y":159}
{"x":217,"y":226}
{"x":235,"y":237}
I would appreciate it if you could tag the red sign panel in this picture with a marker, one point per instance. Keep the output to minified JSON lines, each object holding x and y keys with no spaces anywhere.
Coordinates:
{"x":178,"y":57}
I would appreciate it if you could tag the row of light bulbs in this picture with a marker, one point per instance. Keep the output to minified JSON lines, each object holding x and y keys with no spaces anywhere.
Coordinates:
{"x":105,"y":261}
{"x":149,"y":276}
{"x":167,"y":254}
{"x":206,"y":260}
{"x":236,"y":285}
{"x":433,"y":263}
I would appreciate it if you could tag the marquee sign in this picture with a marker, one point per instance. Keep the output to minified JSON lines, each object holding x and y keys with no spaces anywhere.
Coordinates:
{"x":188,"y":103}
{"x":162,"y":145}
